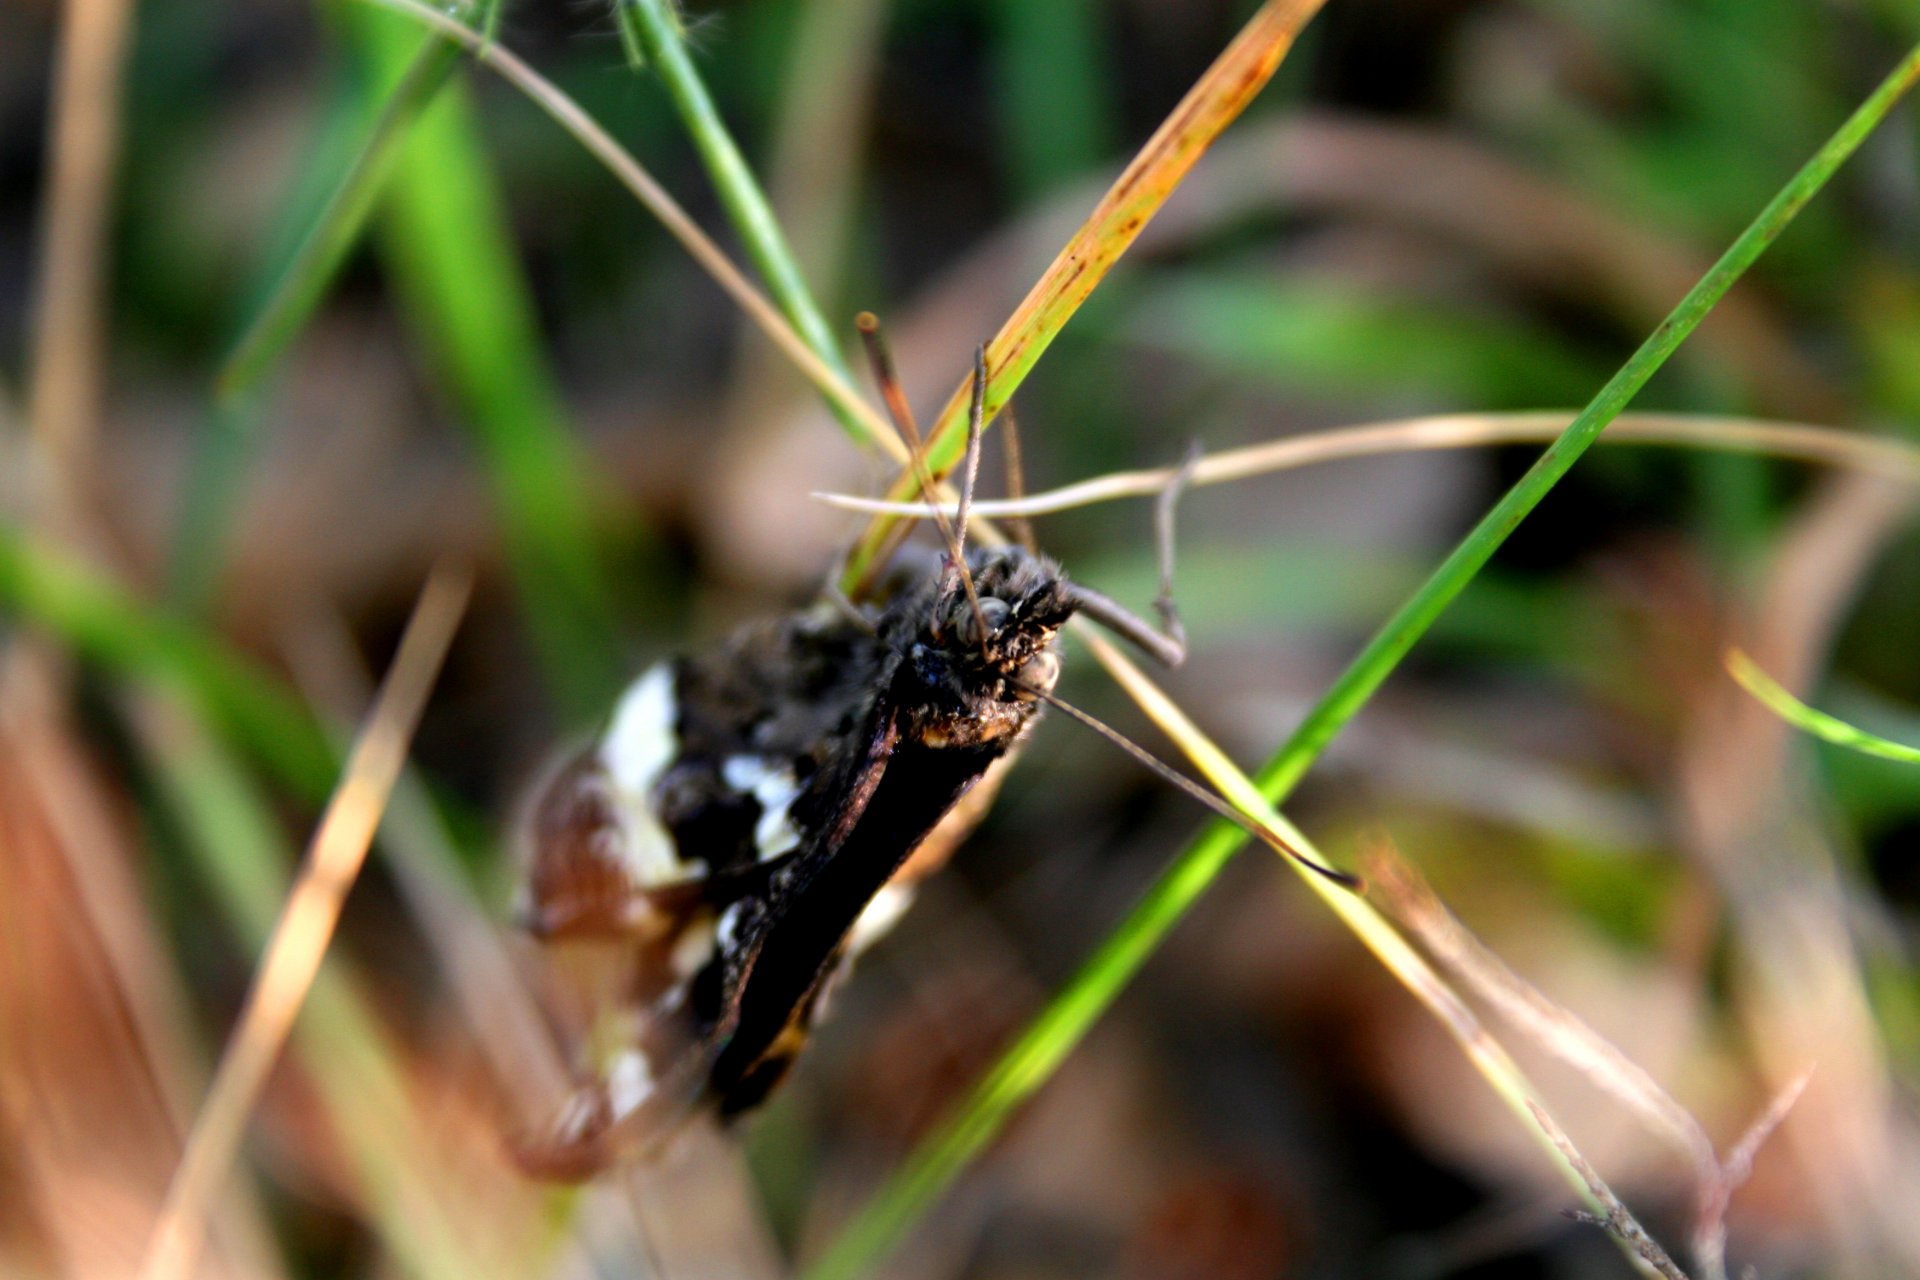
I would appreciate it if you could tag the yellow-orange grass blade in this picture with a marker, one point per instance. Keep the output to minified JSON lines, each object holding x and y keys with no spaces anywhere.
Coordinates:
{"x":1214,"y":102}
{"x":1374,"y":931}
{"x":306,"y":925}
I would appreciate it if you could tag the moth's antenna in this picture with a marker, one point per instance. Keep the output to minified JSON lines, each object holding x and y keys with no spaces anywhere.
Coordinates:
{"x":895,"y":398}
{"x":976,"y":423}
{"x":1016,"y":477}
{"x":1253,"y":827}
{"x":969,"y":473}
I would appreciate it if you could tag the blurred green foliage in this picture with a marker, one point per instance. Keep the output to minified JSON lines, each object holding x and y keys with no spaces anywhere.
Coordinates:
{"x":547,"y":326}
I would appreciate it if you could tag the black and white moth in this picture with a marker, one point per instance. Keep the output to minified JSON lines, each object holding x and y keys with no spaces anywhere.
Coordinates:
{"x":753,"y":816}
{"x":744,"y":818}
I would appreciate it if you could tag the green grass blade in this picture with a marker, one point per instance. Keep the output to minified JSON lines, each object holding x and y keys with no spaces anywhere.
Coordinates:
{"x":1055,"y":107}
{"x":449,"y":253}
{"x":1391,"y":643}
{"x":290,"y":302}
{"x":1030,"y":1061}
{"x":99,"y":620}
{"x":324,"y":218}
{"x":651,"y":27}
{"x":1828,"y":728}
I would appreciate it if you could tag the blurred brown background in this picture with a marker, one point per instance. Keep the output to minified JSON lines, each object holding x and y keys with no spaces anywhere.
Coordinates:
{"x":1438,"y":206}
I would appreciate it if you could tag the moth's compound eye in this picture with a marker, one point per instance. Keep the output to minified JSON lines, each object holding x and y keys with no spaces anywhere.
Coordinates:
{"x":1038,"y":674}
{"x":966,"y":625}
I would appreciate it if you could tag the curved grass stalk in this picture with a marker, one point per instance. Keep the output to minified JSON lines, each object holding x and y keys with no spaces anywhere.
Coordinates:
{"x":1803,"y":441}
{"x":569,"y":115}
{"x":651,"y":26}
{"x":1774,"y":696}
{"x":1033,"y":1056}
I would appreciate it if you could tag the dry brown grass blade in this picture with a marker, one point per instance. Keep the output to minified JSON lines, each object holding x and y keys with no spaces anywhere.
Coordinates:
{"x":1800,"y":985}
{"x":1214,"y":102}
{"x":83,"y":147}
{"x":87,"y":994}
{"x":1407,"y":898}
{"x":305,"y":928}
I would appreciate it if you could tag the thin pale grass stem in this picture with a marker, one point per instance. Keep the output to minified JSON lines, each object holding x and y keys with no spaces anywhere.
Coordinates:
{"x":570,"y":116}
{"x":1804,"y":441}
{"x":1617,"y":1221}
{"x":1738,"y":1164}
{"x":300,"y":938}
{"x":1408,"y":899}
{"x":1710,"y":1223}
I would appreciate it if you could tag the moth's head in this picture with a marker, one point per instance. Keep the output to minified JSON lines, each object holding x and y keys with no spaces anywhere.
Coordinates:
{"x":999,"y":653}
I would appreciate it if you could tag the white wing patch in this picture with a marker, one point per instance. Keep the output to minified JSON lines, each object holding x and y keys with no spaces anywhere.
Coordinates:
{"x":629,"y":1083}
{"x":882,"y":912}
{"x":693,"y":948}
{"x":775,"y":787}
{"x":725,"y":932}
{"x":638,"y":746}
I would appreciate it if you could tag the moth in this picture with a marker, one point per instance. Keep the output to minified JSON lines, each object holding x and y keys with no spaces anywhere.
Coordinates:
{"x":754,"y":816}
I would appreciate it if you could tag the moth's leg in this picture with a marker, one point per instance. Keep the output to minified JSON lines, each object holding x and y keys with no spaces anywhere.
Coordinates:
{"x":970,"y":471}
{"x":1168,"y":645}
{"x":575,"y":1146}
{"x":644,"y":1096}
{"x":628,"y":914}
{"x":1163,"y":511}
{"x":843,"y":604}
{"x":1016,"y":477}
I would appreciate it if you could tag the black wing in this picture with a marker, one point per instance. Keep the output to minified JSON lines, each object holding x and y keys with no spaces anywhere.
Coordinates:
{"x":662,"y":847}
